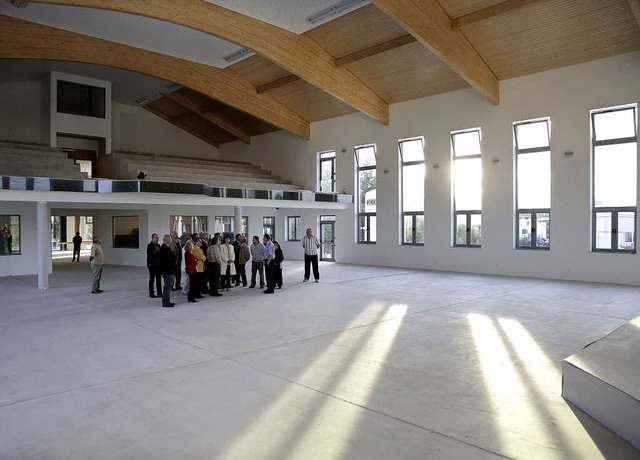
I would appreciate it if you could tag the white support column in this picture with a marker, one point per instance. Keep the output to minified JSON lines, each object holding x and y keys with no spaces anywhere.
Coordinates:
{"x":44,"y":244}
{"x":237,"y":219}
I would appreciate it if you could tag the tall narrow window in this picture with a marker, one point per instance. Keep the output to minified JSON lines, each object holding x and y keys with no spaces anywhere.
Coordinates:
{"x":269,"y":226}
{"x":327,"y":171}
{"x":614,"y":142}
{"x":366,"y":192}
{"x":412,"y":189}
{"x":293,"y":228}
{"x":245,"y":226}
{"x":467,"y":187}
{"x":533,"y":183}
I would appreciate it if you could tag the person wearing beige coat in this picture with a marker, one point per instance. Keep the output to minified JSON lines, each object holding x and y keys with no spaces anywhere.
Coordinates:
{"x":228,"y":255}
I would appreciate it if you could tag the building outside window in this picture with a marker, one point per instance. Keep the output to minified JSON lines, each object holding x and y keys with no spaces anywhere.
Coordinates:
{"x":614,"y":142}
{"x":365,"y":157}
{"x":188,"y":225}
{"x":293,"y":228}
{"x":327,"y":171}
{"x":126,"y":231}
{"x":412,"y":173}
{"x":224,"y":224}
{"x":532,"y":141}
{"x":245,"y":226}
{"x":467,"y":187}
{"x":269,"y":226}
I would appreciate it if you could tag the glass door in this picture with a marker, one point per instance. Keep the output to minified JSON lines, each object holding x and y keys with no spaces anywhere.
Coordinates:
{"x":327,"y":238}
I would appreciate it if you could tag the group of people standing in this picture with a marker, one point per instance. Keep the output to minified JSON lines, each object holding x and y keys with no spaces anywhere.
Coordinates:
{"x":208,"y":265}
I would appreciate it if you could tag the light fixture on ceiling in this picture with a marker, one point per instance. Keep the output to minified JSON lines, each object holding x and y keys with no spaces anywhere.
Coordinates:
{"x":142,"y":101}
{"x":237,"y":55}
{"x":19,"y":3}
{"x":340,"y":7}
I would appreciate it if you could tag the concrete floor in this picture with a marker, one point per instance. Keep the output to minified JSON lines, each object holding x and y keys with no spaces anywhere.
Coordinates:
{"x":371,"y":363}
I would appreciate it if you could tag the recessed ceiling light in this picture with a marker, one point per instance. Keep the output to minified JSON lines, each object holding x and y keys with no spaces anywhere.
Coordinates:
{"x":334,"y":10}
{"x":237,"y":55}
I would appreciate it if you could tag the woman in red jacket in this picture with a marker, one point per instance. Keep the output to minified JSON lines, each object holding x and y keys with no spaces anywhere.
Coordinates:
{"x":190,"y":263}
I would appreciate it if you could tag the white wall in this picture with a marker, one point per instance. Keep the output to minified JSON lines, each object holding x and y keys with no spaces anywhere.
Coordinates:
{"x":566,"y":95}
{"x":26,"y":263}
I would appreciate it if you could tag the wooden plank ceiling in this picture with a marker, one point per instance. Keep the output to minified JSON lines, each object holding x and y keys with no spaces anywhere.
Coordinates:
{"x":393,"y":51}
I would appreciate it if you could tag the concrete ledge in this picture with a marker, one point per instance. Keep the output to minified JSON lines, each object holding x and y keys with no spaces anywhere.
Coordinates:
{"x":603,"y":379}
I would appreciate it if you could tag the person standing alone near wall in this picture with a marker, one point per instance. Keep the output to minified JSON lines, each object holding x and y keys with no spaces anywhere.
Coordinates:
{"x":310,"y":244}
{"x":96,"y":260}
{"x":77,"y":242}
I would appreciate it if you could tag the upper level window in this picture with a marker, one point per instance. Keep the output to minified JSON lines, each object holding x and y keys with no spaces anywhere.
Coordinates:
{"x":411,"y":153}
{"x":327,"y":171}
{"x":366,"y":192}
{"x":614,"y":141}
{"x":79,"y":99}
{"x":532,"y":140}
{"x":467,"y":186}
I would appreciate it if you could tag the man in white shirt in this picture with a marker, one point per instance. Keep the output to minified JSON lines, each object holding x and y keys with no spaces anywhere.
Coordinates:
{"x":96,"y":260}
{"x":310,"y":244}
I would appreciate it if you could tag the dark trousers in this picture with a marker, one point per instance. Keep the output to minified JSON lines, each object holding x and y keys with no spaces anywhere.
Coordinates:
{"x":311,"y":260}
{"x":255,"y":268}
{"x":268,"y":274}
{"x":214,"y":278}
{"x":193,"y":287}
{"x":177,"y":276}
{"x":277,"y":275}
{"x":76,"y":253}
{"x":226,"y":278}
{"x":154,"y":276}
{"x":241,"y":274}
{"x":166,"y":290}
{"x":201,"y":282}
{"x":236,"y":277}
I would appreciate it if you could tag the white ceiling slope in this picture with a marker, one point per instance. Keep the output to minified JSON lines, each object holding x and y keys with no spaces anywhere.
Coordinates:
{"x":168,"y":38}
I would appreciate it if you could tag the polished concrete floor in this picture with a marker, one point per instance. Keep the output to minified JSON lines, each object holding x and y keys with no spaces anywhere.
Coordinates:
{"x":371,"y":363}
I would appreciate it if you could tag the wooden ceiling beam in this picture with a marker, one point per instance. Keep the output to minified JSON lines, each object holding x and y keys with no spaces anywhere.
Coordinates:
{"x":178,"y":122}
{"x":179,"y":97}
{"x":635,"y":9}
{"x":430,"y":24}
{"x":277,"y":83}
{"x":491,"y":12}
{"x":26,"y":40}
{"x":344,"y":60}
{"x":299,"y":54}
{"x":375,"y":49}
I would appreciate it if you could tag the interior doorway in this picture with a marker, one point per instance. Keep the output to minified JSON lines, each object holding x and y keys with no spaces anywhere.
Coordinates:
{"x":328,"y":238}
{"x":63,"y":230}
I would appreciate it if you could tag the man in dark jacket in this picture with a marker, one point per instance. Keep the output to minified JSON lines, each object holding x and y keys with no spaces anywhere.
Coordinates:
{"x":153,"y":264}
{"x":176,"y":247}
{"x":167,"y":267}
{"x":77,"y":242}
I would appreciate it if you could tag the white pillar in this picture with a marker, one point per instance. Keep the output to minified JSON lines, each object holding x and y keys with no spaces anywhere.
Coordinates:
{"x":237,"y":219}
{"x":44,"y":244}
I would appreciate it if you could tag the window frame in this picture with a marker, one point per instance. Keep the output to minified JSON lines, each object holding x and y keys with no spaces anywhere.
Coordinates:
{"x":367,"y":216}
{"x":323,"y":157}
{"x":15,"y":232}
{"x":614,"y":210}
{"x":533,"y":211}
{"x":223,"y":230}
{"x":296,"y":220}
{"x":269,"y":225}
{"x":413,"y":214}
{"x":467,"y":212}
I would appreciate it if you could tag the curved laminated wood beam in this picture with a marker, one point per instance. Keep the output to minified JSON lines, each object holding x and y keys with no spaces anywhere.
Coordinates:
{"x":490,"y":12}
{"x":180,"y":97}
{"x":26,"y":40}
{"x":299,"y":54}
{"x":635,"y":9}
{"x":431,"y":25}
